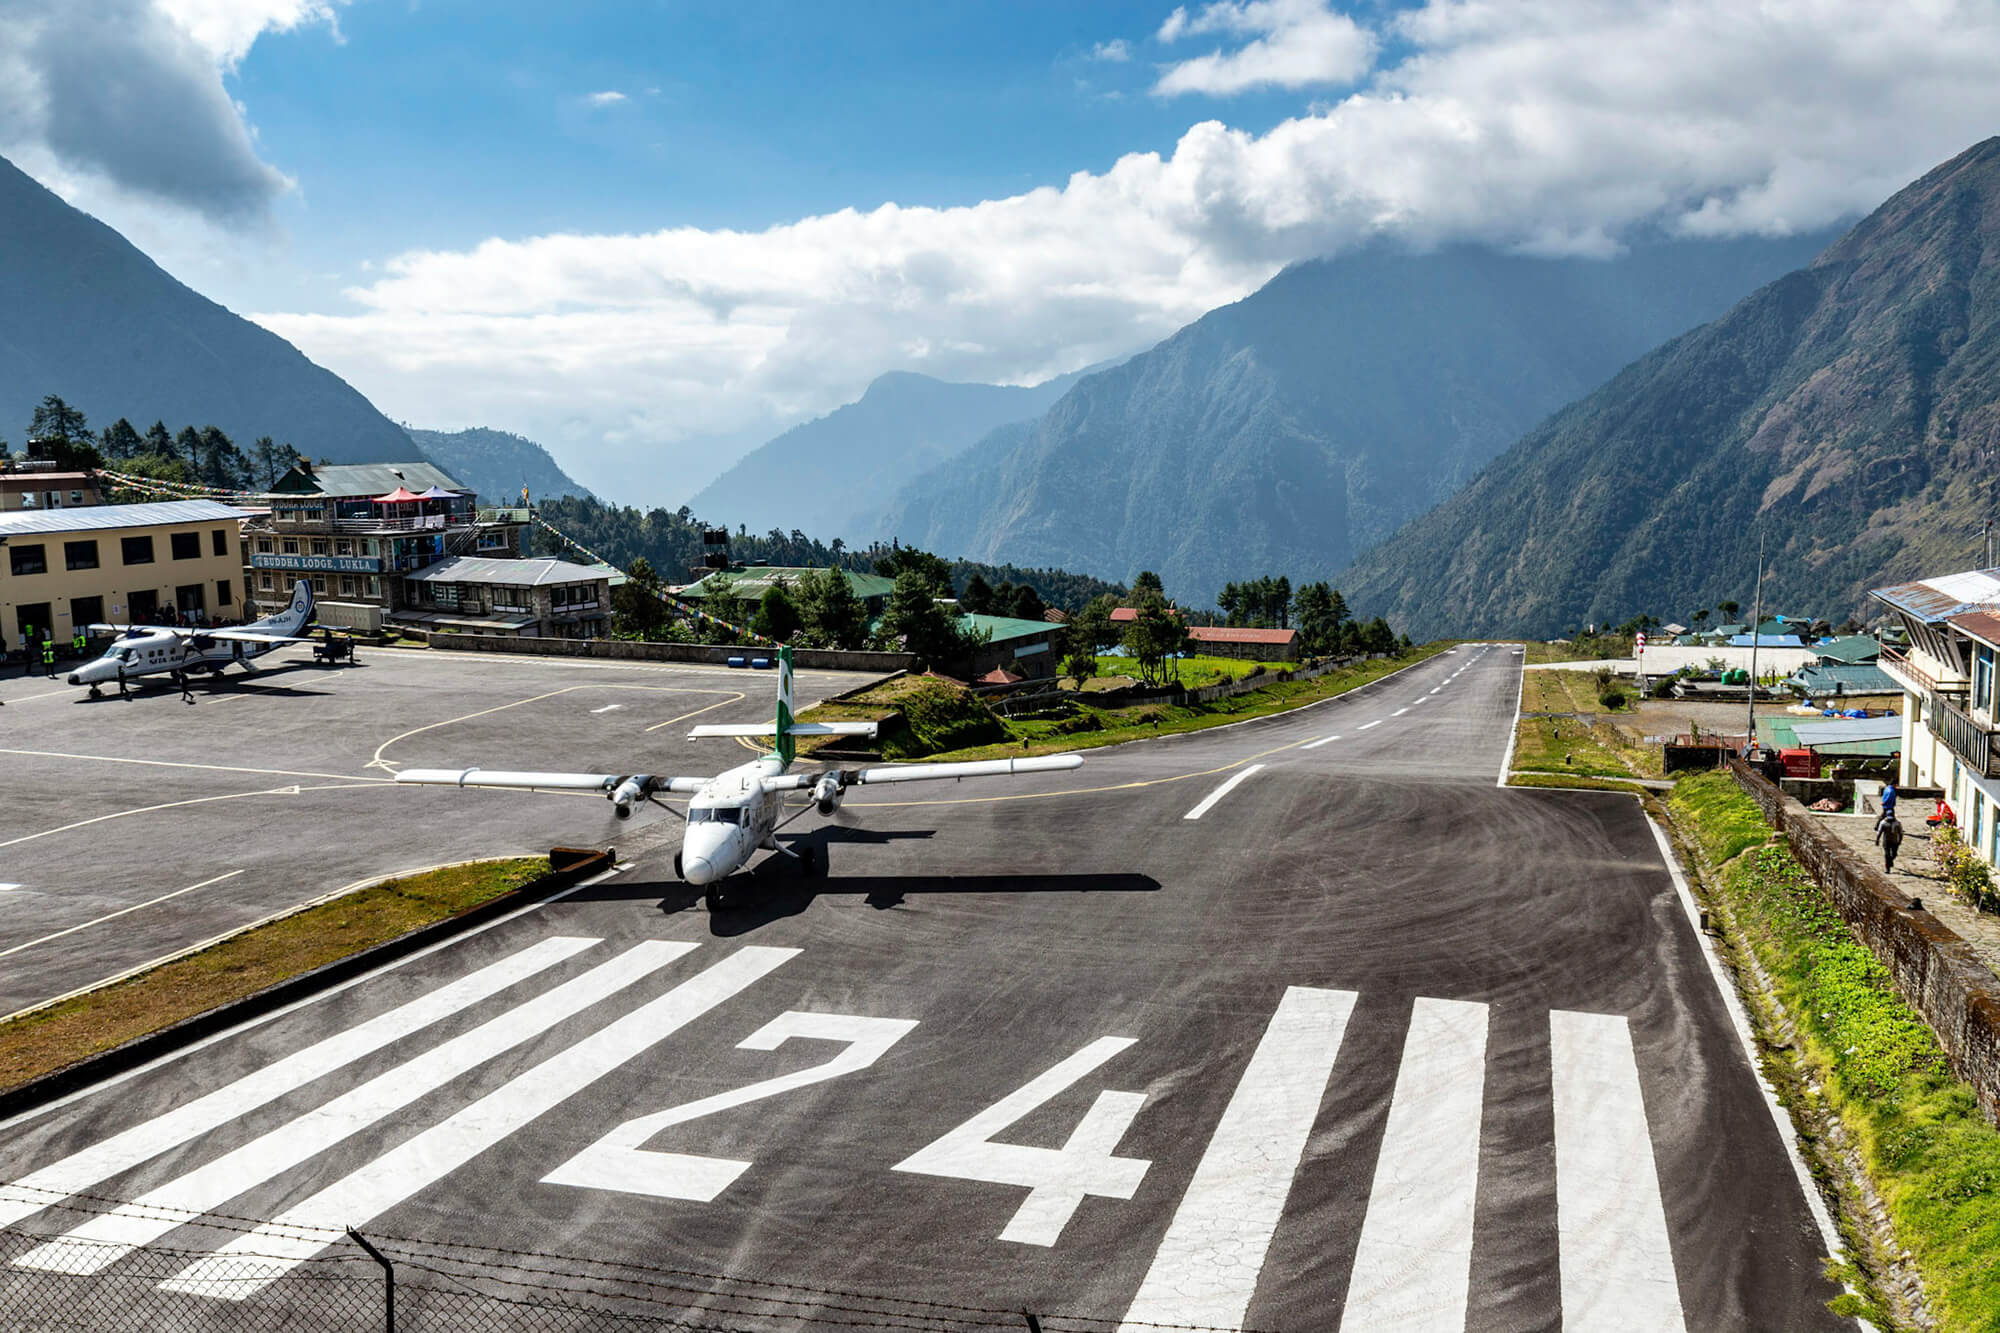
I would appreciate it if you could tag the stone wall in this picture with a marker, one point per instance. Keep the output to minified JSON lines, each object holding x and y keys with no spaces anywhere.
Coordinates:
{"x":1933,"y":969}
{"x":811,"y":659}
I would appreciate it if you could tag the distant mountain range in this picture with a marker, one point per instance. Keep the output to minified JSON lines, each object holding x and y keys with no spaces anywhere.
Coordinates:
{"x":1848,"y":412}
{"x":91,"y":319}
{"x":497,"y":464}
{"x":1299,"y":426}
{"x":832,"y":475}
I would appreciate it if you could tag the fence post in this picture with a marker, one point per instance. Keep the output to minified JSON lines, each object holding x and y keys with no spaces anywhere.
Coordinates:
{"x":388,"y":1279}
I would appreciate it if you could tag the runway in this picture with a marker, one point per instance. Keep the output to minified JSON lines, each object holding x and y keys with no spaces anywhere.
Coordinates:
{"x":1295,"y":1024}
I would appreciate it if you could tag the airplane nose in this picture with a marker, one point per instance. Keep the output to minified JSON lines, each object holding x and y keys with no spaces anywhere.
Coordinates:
{"x":73,"y":680}
{"x":698,"y":870}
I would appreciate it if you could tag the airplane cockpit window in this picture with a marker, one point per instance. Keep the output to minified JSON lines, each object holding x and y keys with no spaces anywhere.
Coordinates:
{"x":715,"y":814}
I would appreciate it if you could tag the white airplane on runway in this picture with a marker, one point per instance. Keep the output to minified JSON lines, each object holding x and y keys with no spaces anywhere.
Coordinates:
{"x":733,"y":815}
{"x":146,"y":650}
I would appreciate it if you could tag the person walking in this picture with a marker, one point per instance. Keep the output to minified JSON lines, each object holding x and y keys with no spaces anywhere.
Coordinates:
{"x":49,"y":657}
{"x":181,"y":679}
{"x":1889,"y":797}
{"x":1889,"y":832}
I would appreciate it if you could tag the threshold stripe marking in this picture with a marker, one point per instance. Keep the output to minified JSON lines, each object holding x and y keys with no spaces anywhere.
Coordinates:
{"x":1206,"y":1268}
{"x":148,"y":1139}
{"x":1617,"y":1263}
{"x":109,"y":1237}
{"x":1314,"y":745}
{"x":1208,"y":801}
{"x":113,"y":916}
{"x":1414,"y":1263}
{"x":254,"y":1260}
{"x":1376,"y":723}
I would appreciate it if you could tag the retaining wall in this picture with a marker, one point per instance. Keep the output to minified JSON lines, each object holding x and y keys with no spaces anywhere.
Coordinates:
{"x":1933,"y":968}
{"x":811,"y":659}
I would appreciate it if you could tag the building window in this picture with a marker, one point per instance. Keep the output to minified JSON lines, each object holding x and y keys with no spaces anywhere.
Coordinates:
{"x":264,"y":583}
{"x":289,"y":546}
{"x":218,"y":541}
{"x":29,"y":559}
{"x":347,"y":585}
{"x":374,"y":586}
{"x":80,"y":555}
{"x":1956,"y":770}
{"x":319,"y":546}
{"x":222,"y":593}
{"x":186,"y":545}
{"x":343,"y":546}
{"x":136,"y":550}
{"x":319,"y":584}
{"x":263,"y":546}
{"x":76,"y":497}
{"x":1978,"y":818}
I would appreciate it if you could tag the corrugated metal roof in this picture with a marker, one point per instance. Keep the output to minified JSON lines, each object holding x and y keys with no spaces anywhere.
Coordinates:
{"x":1003,"y":628}
{"x":1853,"y":649}
{"x":1836,"y":731}
{"x":86,"y":518}
{"x":1232,"y":634}
{"x":1766,"y":641}
{"x":750,"y":585}
{"x":370,"y":479}
{"x":541,"y":572}
{"x":1853,"y":677}
{"x":1932,"y":600}
{"x":1982,"y":625}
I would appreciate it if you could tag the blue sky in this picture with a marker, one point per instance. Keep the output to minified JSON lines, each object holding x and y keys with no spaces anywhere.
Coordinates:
{"x":651,"y":235}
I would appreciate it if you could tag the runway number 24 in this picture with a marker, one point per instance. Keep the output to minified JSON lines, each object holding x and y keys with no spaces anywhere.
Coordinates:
{"x":1057,"y":1179}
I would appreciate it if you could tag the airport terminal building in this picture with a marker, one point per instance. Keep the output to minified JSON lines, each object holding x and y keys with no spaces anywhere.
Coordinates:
{"x":177,"y":561}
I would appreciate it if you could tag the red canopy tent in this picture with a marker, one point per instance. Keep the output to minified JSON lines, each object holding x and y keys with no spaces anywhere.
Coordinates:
{"x":401,"y":495}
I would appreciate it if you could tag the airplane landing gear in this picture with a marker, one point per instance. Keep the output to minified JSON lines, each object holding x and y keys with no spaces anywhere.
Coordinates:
{"x":96,"y":693}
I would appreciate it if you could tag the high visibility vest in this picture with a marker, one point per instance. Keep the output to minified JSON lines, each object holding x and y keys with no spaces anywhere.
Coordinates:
{"x":80,"y":641}
{"x":48,"y":650}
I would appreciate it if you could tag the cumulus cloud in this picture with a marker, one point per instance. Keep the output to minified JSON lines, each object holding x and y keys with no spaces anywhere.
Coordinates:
{"x":610,"y":97}
{"x":129,"y":95}
{"x":1294,"y":44}
{"x":1549,"y":129}
{"x":1118,"y":51}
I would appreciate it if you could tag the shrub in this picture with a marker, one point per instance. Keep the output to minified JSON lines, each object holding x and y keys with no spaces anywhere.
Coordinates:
{"x":943,"y":715}
{"x":1257,"y":670}
{"x":1612,"y":698}
{"x":1963,"y":870}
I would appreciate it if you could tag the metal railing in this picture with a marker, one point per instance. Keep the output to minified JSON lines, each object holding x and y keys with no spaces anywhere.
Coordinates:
{"x":1963,"y":735}
{"x":418,"y":523}
{"x":1897,"y":663}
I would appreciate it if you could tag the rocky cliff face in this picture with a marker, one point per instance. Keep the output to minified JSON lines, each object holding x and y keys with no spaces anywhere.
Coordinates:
{"x":1849,"y":412}
{"x":1296,"y":428}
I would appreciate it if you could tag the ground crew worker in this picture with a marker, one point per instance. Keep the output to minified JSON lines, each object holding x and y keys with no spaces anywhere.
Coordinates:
{"x":49,"y":657}
{"x":181,"y":679}
{"x":121,"y":679}
{"x":27,"y":650}
{"x":80,"y":642}
{"x":1889,"y":832}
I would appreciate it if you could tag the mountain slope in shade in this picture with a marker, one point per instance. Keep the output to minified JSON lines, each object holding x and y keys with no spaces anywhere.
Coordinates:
{"x":91,"y":319}
{"x":1849,"y":412}
{"x":1297,"y":427}
{"x":830,"y":475}
{"x":496,"y":464}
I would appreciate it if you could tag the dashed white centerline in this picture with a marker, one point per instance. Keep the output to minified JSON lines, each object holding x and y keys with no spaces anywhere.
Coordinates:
{"x":113,"y":916}
{"x":1208,"y":801}
{"x":1309,"y":745}
{"x":1399,"y":712}
{"x":1438,"y":688}
{"x":608,"y":708}
{"x":8,"y":888}
{"x":1376,"y":723}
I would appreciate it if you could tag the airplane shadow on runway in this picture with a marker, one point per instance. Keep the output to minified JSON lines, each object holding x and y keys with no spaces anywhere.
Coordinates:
{"x":155,"y":684}
{"x":776,"y":887}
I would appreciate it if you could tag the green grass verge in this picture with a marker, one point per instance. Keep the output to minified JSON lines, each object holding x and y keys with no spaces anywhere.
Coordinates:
{"x":1919,"y":1133}
{"x":1572,"y":782}
{"x":54,"y":1038}
{"x":1564,"y":745}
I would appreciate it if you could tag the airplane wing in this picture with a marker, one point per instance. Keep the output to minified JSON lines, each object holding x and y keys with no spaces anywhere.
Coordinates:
{"x":979,"y":768}
{"x":494,"y":777}
{"x":246,"y":636}
{"x":795,"y":729}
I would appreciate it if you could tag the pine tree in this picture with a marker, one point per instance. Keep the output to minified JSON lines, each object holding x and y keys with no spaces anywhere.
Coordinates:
{"x":914,"y":622}
{"x":977,"y":597}
{"x":777,"y":618}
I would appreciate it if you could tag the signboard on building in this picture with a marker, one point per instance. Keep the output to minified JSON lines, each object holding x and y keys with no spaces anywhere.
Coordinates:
{"x":320,"y":564}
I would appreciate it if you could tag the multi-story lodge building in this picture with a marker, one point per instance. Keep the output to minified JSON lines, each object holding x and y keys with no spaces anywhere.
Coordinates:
{"x":1948,"y":678}
{"x":357,"y":529}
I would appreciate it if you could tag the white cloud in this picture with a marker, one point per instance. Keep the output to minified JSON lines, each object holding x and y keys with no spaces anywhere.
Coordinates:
{"x":1117,"y":51}
{"x":610,"y":97}
{"x":1294,"y":44}
{"x":125,"y":98}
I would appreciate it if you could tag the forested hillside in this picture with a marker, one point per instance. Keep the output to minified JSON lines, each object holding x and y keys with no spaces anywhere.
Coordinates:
{"x":496,"y":464}
{"x":1849,"y":413}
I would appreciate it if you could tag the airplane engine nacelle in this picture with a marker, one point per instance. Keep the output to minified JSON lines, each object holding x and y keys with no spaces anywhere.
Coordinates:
{"x":827,"y":793}
{"x":626,"y":795}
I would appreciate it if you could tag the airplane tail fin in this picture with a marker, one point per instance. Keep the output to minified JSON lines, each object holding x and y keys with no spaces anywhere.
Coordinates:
{"x":788,"y":749}
{"x":295,"y":616}
{"x":786,"y":729}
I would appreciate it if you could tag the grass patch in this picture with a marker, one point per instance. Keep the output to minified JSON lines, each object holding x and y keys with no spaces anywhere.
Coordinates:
{"x":1564,"y":745}
{"x":1583,"y":650}
{"x":59,"y":1036}
{"x":1195,"y":671}
{"x":1568,"y":781}
{"x":1918,"y":1131}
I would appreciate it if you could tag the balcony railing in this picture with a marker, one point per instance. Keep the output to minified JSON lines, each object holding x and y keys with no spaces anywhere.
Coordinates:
{"x":418,"y":523}
{"x":1898,"y":663}
{"x":1964,"y":736}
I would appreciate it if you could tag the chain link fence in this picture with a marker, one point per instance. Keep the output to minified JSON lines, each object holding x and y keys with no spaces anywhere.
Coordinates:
{"x":220,"y":1282}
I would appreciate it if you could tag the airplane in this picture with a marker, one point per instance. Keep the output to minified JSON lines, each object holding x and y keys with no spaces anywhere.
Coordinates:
{"x":735,"y":814}
{"x":145,"y":650}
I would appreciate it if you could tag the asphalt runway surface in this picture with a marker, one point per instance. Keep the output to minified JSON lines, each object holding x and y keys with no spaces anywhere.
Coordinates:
{"x":1296,"y":1024}
{"x":130,"y":828}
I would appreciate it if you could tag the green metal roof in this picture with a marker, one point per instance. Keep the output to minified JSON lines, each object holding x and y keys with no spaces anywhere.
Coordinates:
{"x":1849,"y":648}
{"x":1856,"y":678}
{"x":1000,"y":629}
{"x":751,"y":583}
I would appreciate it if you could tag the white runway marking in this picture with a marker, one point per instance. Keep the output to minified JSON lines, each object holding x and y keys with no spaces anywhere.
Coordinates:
{"x":211,"y":768}
{"x":1617,"y":1263}
{"x":1438,"y":688}
{"x":113,"y":916}
{"x":1414,"y":1261}
{"x":1314,"y":745}
{"x":109,"y":1237}
{"x":1206,"y":1268}
{"x":141,"y":1143}
{"x":608,"y":708}
{"x":253,"y":1261}
{"x":1399,"y":712}
{"x":1376,"y":723}
{"x":8,"y":888}
{"x":1208,"y":801}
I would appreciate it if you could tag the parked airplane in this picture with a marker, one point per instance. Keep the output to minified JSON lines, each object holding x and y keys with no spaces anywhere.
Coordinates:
{"x":733,"y":815}
{"x":145,"y":650}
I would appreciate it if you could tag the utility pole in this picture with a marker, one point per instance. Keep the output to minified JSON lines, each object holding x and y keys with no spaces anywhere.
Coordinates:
{"x":1756,"y":619}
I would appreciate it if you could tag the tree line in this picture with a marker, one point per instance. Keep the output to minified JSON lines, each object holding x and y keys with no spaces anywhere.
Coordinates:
{"x":191,"y":456}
